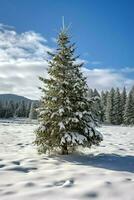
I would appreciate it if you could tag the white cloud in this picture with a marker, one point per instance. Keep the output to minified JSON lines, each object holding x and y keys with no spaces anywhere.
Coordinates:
{"x":104,"y":79}
{"x":79,"y":61}
{"x":23,"y":58}
{"x":128,"y":70}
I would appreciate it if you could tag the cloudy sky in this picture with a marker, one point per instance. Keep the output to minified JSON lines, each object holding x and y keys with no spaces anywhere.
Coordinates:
{"x":103,"y":34}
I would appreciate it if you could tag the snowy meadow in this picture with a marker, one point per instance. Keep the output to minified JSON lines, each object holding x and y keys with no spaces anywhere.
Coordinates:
{"x":104,"y":172}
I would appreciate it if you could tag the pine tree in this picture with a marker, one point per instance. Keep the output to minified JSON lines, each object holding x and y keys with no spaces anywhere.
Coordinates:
{"x":129,"y":109}
{"x":123,"y":102}
{"x":65,"y":113}
{"x":21,"y":109}
{"x":117,"y":107}
{"x":33,"y":112}
{"x":110,"y":115}
{"x":97,"y":109}
{"x":9,"y":110}
{"x":1,"y":109}
{"x":103,"y":105}
{"x":28,"y":108}
{"x":90,"y":93}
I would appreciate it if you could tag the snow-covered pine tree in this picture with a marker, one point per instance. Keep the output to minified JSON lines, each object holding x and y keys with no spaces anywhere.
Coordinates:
{"x":1,"y":109}
{"x":33,"y":111}
{"x":129,"y":109}
{"x":65,"y":114}
{"x":123,"y":102}
{"x":117,"y":107}
{"x":103,"y":105}
{"x":97,"y":109}
{"x":9,"y":109}
{"x":28,"y":108}
{"x":21,"y":110}
{"x":90,"y":93}
{"x":110,"y":107}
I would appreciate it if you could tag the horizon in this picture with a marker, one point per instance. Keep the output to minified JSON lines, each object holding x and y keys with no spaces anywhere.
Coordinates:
{"x":105,"y":44}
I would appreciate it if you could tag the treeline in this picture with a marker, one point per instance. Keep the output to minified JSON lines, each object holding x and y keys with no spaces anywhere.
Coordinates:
{"x":114,"y":107}
{"x":13,"y":109}
{"x":111,"y":107}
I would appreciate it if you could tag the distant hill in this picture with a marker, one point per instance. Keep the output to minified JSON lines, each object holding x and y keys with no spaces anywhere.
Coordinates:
{"x":13,"y":97}
{"x":12,"y":106}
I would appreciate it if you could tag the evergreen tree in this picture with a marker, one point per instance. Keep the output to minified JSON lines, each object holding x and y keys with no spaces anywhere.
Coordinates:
{"x":21,"y":109}
{"x":96,"y":94}
{"x":1,"y":109}
{"x":97,"y":109}
{"x":65,"y":113}
{"x":90,"y":93}
{"x":117,"y":108}
{"x":123,"y":102}
{"x":110,"y":115}
{"x":9,"y":110}
{"x":129,"y":109}
{"x":12,"y":107}
{"x":28,"y":108}
{"x":16,"y":109}
{"x":103,"y":105}
{"x":33,"y":112}
{"x":24,"y":112}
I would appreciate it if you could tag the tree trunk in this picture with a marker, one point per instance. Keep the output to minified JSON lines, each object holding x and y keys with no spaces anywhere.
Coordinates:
{"x":64,"y":149}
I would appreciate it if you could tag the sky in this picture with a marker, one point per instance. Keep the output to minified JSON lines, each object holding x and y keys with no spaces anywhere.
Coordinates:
{"x":102,"y":29}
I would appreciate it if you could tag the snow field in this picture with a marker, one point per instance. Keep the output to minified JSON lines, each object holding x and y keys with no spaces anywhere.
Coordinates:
{"x":104,"y":172}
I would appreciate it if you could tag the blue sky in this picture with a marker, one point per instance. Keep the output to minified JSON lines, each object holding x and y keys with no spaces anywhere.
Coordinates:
{"x":102,"y":29}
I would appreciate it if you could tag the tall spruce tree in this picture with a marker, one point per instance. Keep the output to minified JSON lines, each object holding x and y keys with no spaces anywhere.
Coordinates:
{"x":65,"y":114}
{"x":103,"y":105}
{"x":33,"y":111}
{"x":90,"y":93}
{"x":110,"y":112}
{"x":1,"y":109}
{"x":129,"y":108}
{"x":97,"y":109}
{"x":123,"y":102}
{"x":117,"y":108}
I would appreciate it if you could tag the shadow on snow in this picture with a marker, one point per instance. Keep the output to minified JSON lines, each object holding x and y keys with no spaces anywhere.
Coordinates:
{"x":107,"y":161}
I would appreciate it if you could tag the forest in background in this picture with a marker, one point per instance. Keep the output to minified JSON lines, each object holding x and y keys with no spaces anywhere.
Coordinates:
{"x":111,"y":107}
{"x":18,"y":108}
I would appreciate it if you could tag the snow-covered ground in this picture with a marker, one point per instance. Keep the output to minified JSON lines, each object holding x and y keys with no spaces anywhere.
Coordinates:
{"x":104,"y":173}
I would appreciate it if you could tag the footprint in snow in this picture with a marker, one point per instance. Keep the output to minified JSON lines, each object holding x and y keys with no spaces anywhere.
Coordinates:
{"x":21,"y":169}
{"x":16,"y":162}
{"x":68,"y":183}
{"x":2,"y":165}
{"x":108,"y":183}
{"x":29,"y":184}
{"x":127,"y":179}
{"x":121,"y":149}
{"x":91,"y":195}
{"x":64,"y":183}
{"x":9,"y":193}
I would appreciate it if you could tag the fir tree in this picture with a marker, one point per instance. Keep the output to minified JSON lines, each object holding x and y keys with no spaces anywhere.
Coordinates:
{"x":117,"y":108}
{"x":1,"y":109}
{"x":21,"y":110}
{"x":110,"y":115}
{"x":28,"y":108}
{"x":103,"y":105}
{"x":97,"y":109}
{"x":90,"y":93}
{"x":123,"y":102}
{"x":129,"y":109}
{"x":65,"y":113}
{"x":33,"y":112}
